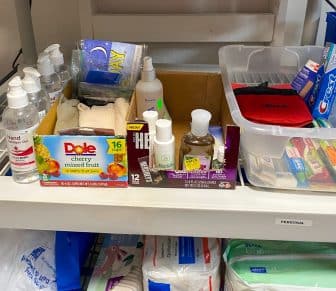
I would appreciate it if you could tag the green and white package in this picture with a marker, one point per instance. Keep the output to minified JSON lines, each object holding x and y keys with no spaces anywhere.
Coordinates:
{"x":254,"y":265}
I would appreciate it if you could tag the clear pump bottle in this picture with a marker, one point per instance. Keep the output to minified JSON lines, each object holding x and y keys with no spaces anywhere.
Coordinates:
{"x":49,"y":79}
{"x":20,"y":120}
{"x":57,"y":59}
{"x":197,"y":146}
{"x":36,"y":95}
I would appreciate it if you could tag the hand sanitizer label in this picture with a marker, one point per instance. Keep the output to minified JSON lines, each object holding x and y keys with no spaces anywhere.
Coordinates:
{"x":21,"y":149}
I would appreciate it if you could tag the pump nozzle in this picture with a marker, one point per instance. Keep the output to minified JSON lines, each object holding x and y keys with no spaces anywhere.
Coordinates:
{"x":31,"y":82}
{"x":200,"y":122}
{"x":148,"y":72}
{"x":44,"y":65}
{"x":56,"y":56}
{"x":16,"y":96}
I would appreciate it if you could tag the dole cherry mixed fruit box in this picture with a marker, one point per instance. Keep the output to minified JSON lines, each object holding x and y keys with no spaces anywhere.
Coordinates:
{"x":79,"y":160}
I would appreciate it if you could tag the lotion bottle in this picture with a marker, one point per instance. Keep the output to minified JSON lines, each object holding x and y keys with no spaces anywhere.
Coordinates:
{"x":164,"y":145}
{"x":148,"y":90}
{"x":197,"y":146}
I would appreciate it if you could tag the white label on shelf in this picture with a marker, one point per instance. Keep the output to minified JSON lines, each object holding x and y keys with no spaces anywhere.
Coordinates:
{"x":293,"y":222}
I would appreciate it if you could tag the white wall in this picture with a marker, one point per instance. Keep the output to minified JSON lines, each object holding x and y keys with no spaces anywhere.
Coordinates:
{"x":9,"y":36}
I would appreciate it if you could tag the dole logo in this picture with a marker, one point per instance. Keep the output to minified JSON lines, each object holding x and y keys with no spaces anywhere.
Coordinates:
{"x":84,"y":149}
{"x":324,"y":104}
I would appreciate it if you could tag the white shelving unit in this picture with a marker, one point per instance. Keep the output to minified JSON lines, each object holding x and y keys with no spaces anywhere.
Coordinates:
{"x":242,"y":213}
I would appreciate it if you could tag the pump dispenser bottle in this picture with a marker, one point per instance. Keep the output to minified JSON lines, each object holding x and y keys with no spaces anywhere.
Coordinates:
{"x":49,"y":79}
{"x":197,"y":146}
{"x":57,"y":59}
{"x":148,"y":90}
{"x":164,"y":145}
{"x":36,"y":95}
{"x":20,"y":120}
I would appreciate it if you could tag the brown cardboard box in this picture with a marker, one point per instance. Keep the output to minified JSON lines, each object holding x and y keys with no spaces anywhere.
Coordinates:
{"x":183,"y":92}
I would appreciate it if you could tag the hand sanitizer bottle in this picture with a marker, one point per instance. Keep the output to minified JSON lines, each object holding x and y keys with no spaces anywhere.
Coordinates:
{"x":20,"y":120}
{"x":148,"y":91}
{"x":36,"y":95}
{"x":49,"y":79}
{"x":57,"y":59}
{"x":197,"y":146}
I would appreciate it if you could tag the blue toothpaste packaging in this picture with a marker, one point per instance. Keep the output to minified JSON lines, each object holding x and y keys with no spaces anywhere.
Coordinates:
{"x":327,"y":90}
{"x":112,"y":63}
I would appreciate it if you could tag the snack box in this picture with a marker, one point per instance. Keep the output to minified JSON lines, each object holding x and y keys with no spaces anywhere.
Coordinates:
{"x":277,"y":156}
{"x":183,"y":92}
{"x":79,"y":160}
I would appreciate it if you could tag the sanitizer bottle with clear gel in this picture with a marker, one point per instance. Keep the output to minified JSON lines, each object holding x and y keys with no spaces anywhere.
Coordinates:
{"x":36,"y":95}
{"x":57,"y":59}
{"x":49,"y":79}
{"x":148,"y":90}
{"x":20,"y":120}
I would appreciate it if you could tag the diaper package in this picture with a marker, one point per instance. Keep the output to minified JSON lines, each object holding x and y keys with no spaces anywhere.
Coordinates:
{"x":118,"y":266}
{"x":253,"y":265}
{"x":181,"y":264}
{"x":27,"y":260}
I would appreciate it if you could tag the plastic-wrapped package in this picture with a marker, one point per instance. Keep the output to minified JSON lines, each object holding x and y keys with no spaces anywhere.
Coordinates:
{"x":254,"y":265}
{"x":27,"y":260}
{"x":118,"y":266}
{"x":181,"y":264}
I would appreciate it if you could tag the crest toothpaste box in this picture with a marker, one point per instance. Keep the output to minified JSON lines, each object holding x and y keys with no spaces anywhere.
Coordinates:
{"x":327,"y":90}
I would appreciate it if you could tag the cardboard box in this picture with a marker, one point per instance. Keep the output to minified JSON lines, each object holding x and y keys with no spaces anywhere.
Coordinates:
{"x":77,"y":160}
{"x":183,"y":92}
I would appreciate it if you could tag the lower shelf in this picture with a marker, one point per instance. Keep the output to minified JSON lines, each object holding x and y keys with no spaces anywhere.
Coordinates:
{"x":246,"y":212}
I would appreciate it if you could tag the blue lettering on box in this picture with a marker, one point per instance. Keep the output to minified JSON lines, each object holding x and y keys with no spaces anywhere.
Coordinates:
{"x":260,"y":270}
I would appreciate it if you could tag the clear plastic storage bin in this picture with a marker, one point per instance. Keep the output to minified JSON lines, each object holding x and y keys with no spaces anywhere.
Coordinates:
{"x":277,"y":156}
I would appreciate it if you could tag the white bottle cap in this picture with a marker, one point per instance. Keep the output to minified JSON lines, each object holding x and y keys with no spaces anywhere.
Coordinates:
{"x":163,"y":130}
{"x":16,"y":96}
{"x":31,"y":82}
{"x":150,"y":116}
{"x":148,"y":71}
{"x":56,"y":56}
{"x":220,"y":154}
{"x":200,"y":119}
{"x":44,"y":65}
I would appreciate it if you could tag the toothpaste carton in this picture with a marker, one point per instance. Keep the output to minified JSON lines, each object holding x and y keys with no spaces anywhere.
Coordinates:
{"x":320,"y":72}
{"x":303,"y":82}
{"x":327,"y":91}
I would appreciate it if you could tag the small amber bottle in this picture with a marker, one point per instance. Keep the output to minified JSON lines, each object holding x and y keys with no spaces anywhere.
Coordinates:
{"x":197,"y":146}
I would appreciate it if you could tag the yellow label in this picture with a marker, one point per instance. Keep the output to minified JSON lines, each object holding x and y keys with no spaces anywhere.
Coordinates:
{"x":135,"y":127}
{"x":192,"y":164}
{"x":82,"y":171}
{"x":116,"y":146}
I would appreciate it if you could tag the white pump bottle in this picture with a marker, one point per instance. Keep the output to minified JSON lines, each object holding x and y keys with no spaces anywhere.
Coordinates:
{"x":49,"y":78}
{"x":20,"y":120}
{"x":36,"y":95}
{"x":57,"y":59}
{"x":148,"y":90}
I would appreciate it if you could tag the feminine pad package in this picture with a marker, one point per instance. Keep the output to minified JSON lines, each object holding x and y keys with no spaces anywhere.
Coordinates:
{"x":113,"y":63}
{"x":254,"y":265}
{"x":118,"y":266}
{"x":181,"y":263}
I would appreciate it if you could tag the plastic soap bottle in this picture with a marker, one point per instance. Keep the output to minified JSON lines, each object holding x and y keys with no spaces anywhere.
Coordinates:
{"x":36,"y":95}
{"x":148,"y":90}
{"x":164,"y":145}
{"x":20,"y":120}
{"x":57,"y":59}
{"x":151,"y":117}
{"x":49,"y":79}
{"x":197,"y":146}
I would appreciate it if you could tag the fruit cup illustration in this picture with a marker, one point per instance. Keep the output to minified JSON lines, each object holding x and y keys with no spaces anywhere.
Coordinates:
{"x":114,"y":171}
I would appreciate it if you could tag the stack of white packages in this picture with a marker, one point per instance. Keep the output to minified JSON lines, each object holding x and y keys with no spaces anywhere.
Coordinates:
{"x":118,"y":266}
{"x":181,"y":264}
